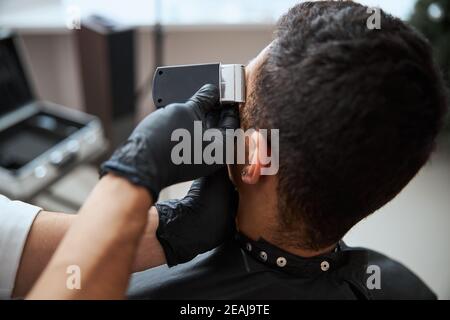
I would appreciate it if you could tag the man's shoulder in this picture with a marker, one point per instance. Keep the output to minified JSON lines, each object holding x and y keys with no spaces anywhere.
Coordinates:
{"x":387,"y":278}
{"x":226,"y":273}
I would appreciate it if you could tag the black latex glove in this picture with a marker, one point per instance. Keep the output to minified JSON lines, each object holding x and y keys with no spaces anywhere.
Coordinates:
{"x":200,"y":221}
{"x":145,"y":158}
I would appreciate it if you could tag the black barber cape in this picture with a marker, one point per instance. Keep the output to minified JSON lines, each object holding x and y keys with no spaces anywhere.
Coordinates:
{"x":246,"y":269}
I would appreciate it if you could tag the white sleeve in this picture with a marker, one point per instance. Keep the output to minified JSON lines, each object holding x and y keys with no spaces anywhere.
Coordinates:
{"x":16,"y":218}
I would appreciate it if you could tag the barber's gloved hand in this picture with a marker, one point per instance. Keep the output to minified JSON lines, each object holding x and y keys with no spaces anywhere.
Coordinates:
{"x":145,"y":159}
{"x":199,"y":222}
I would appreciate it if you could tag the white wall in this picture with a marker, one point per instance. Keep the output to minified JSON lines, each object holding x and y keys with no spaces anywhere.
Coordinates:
{"x":53,"y":66}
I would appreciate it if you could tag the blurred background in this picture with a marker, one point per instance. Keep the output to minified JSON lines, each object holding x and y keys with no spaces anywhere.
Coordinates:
{"x":98,"y":56}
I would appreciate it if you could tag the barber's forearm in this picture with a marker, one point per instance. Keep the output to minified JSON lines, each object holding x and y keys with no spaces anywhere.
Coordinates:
{"x":49,"y":229}
{"x":102,"y":242}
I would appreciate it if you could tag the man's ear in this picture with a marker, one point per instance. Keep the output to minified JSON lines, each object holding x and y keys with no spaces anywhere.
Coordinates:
{"x":252,"y":172}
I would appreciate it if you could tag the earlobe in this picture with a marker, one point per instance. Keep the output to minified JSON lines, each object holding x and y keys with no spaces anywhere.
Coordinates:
{"x":250,"y":173}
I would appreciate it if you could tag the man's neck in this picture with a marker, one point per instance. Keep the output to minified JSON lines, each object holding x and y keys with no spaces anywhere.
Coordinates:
{"x":256,"y":218}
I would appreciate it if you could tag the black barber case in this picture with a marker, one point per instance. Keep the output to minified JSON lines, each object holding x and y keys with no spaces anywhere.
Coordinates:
{"x":39,"y":141}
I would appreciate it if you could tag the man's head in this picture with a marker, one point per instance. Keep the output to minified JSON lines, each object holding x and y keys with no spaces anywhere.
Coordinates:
{"x":358,"y":111}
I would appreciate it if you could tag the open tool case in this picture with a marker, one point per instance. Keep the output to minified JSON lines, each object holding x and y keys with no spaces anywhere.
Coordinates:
{"x":39,"y":141}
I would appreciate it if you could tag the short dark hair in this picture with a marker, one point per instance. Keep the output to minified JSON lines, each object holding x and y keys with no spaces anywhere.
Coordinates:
{"x":358,"y":111}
